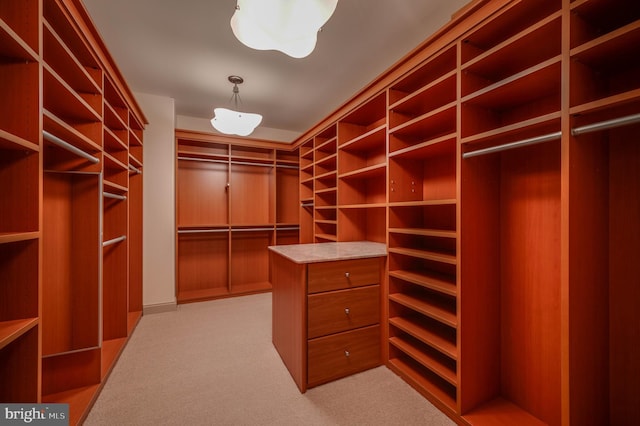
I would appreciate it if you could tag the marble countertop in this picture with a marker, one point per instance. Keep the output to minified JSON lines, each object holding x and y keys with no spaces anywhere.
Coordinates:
{"x":324,"y":252}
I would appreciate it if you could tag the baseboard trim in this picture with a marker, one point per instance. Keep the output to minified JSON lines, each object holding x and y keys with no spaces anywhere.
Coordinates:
{"x":159,"y":308}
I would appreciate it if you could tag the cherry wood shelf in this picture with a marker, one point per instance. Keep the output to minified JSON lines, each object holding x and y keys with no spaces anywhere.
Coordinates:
{"x":421,"y":381}
{"x":12,"y":330}
{"x":426,"y":308}
{"x":413,"y":327}
{"x":428,"y":279}
{"x":430,"y":362}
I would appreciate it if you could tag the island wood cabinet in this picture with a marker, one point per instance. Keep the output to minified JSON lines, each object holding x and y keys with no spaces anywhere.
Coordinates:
{"x":326,"y":309}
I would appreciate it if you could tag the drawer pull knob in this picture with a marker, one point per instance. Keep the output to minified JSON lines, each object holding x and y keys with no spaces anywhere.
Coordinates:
{"x":347,"y":354}
{"x":347,"y":311}
{"x":346,"y":274}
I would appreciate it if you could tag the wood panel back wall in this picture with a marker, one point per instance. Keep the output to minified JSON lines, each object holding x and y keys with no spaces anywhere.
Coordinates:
{"x":234,"y":199}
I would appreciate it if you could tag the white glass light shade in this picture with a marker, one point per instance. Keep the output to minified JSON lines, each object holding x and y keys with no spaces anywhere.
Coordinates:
{"x":232,"y":122}
{"x":290,"y":26}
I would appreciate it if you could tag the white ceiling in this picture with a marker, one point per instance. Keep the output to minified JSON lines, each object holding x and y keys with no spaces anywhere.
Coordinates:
{"x":185,"y":50}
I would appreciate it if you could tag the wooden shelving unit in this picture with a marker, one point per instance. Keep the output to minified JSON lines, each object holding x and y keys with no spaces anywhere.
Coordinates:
{"x":511,"y":210}
{"x":20,"y":185}
{"x":362,"y":172}
{"x":603,"y":177}
{"x":234,"y":199}
{"x":64,"y":165}
{"x":422,"y":231}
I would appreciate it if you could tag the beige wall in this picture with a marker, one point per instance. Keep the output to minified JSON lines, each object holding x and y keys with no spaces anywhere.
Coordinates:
{"x":158,"y":203}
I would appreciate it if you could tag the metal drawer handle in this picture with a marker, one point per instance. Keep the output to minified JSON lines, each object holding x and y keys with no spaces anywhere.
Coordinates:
{"x":347,"y":354}
{"x":347,"y":311}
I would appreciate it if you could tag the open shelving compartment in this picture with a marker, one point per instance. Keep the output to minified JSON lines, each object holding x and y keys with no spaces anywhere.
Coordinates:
{"x":306,"y":192}
{"x":325,"y":185}
{"x":202,"y":219}
{"x":287,"y":198}
{"x":20,"y":186}
{"x":422,"y":236}
{"x":510,"y":222}
{"x":604,"y":181}
{"x":362,"y":172}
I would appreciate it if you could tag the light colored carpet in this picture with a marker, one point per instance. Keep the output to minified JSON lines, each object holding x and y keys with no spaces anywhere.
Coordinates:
{"x":213,"y":363}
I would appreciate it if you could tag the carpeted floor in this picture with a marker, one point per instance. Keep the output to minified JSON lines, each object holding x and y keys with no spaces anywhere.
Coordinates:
{"x":213,"y":363}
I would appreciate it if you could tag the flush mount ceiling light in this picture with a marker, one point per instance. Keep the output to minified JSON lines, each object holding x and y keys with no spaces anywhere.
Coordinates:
{"x":290,"y":26}
{"x":232,"y":122}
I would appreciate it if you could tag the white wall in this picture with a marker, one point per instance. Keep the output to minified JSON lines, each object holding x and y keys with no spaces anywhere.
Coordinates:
{"x":158,"y":203}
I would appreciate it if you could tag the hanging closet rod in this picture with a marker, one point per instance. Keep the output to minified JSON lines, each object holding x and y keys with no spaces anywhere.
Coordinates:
{"x":290,"y":228}
{"x":114,"y":196}
{"x":205,"y":160}
{"x":251,"y":229}
{"x":512,"y":145}
{"x":134,"y":169}
{"x":285,"y":166}
{"x":608,"y":124}
{"x":247,"y":163}
{"x":114,"y":241}
{"x":306,"y":204}
{"x":66,"y":145}
{"x":201,"y":231}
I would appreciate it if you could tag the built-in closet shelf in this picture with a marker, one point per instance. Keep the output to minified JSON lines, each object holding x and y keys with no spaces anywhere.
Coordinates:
{"x":12,"y":330}
{"x":504,"y":410}
{"x":414,"y":374}
{"x":428,"y":279}
{"x":425,"y":254}
{"x":426,"y":307}
{"x":371,"y":139}
{"x":430,"y":362}
{"x":536,"y":126}
{"x":424,"y":232}
{"x":12,"y":237}
{"x":86,"y":137}
{"x":366,"y":172}
{"x":416,"y":329}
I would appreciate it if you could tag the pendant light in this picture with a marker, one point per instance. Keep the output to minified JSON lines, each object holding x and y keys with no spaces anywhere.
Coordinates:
{"x":232,"y":122}
{"x":290,"y":26}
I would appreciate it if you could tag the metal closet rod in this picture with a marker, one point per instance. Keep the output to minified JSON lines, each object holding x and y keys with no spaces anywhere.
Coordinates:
{"x":134,"y":169}
{"x":204,"y":160}
{"x":243,"y":163}
{"x":607,"y":124}
{"x":114,"y":241}
{"x":114,"y":196}
{"x":576,"y":131}
{"x":201,"y":231}
{"x":512,"y":145}
{"x":286,"y":166}
{"x":66,"y":145}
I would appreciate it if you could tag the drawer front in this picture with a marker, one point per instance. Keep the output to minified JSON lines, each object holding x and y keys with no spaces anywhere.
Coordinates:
{"x":342,"y":274}
{"x":342,"y":310}
{"x":339,"y":355}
